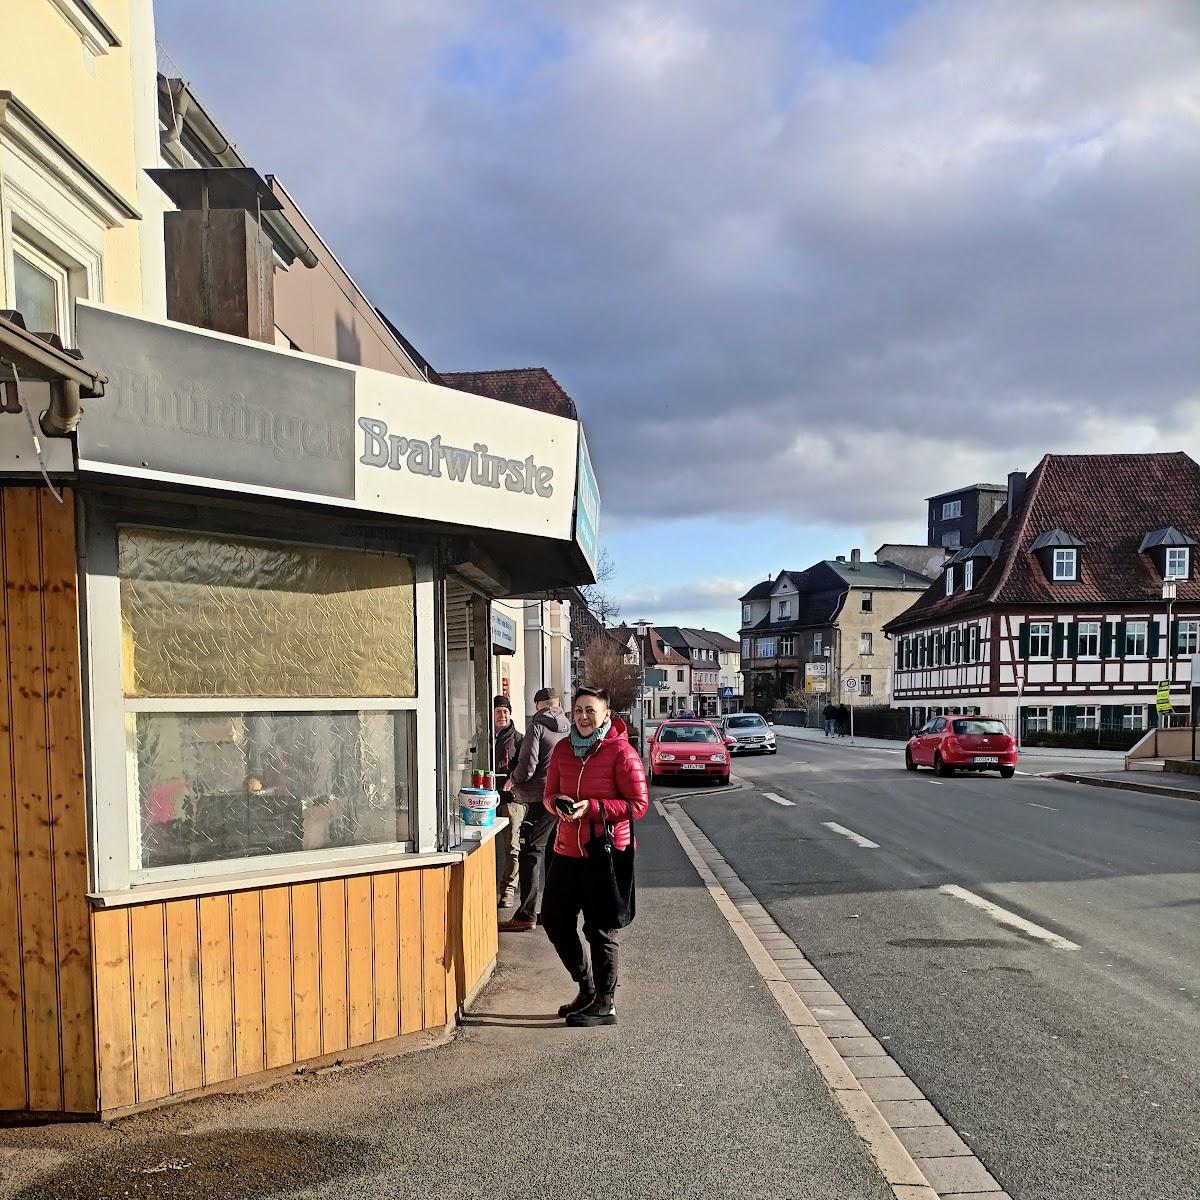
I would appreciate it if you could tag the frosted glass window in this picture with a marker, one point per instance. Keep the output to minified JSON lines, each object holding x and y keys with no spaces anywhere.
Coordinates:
{"x":212,"y":786}
{"x":208,"y":616}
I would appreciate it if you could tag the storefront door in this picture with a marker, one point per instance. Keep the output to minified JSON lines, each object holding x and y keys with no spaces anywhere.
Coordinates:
{"x":468,"y":707}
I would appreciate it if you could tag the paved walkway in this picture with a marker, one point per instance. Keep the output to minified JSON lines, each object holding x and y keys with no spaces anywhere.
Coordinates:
{"x":1155,"y":783}
{"x":703,"y":1089}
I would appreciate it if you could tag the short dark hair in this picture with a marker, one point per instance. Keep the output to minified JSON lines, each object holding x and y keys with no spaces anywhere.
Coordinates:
{"x":599,"y":693}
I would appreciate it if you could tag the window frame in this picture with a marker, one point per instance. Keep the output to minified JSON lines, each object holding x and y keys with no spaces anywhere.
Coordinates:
{"x":1131,"y":633}
{"x":783,"y":609}
{"x":787,"y":647}
{"x":949,"y":581}
{"x":59,"y":273}
{"x":1187,"y":563}
{"x":864,"y":686}
{"x":1131,"y":713}
{"x":1067,"y":556}
{"x":1087,"y":718}
{"x":866,"y":643}
{"x":746,"y":614}
{"x":115,"y":840}
{"x":968,"y":574}
{"x":951,"y":510}
{"x":1037,"y":713}
{"x":1098,"y":627}
{"x":1048,"y":626}
{"x":867,"y":602}
{"x":1189,"y":629}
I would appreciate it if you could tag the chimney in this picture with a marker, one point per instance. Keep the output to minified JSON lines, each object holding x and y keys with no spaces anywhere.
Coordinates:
{"x":841,"y":558}
{"x":855,"y":559}
{"x":1016,"y":487}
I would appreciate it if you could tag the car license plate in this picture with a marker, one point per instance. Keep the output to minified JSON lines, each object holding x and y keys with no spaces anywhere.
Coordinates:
{"x":691,"y":766}
{"x":986,"y":758}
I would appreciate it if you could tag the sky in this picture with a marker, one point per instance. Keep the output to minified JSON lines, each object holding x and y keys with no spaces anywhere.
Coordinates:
{"x":800,"y":264}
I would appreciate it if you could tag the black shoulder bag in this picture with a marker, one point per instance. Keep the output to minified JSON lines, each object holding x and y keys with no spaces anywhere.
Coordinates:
{"x":610,"y":884}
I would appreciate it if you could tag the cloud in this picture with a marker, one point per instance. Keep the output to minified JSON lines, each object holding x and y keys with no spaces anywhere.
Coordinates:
{"x":695,"y":596}
{"x":776,"y":279}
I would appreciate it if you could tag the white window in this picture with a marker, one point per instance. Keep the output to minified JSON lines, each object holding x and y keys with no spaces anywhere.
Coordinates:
{"x":41,"y":290}
{"x":745,"y":614}
{"x":951,"y":509}
{"x":868,"y":602}
{"x":1133,"y":716}
{"x":1037,"y":720}
{"x":1040,"y":638}
{"x":968,"y":574}
{"x":818,"y":642}
{"x":766,"y":648}
{"x":866,"y":643}
{"x":1089,"y":639}
{"x":787,"y":647}
{"x":1087,"y":717}
{"x":239,"y":717}
{"x":949,"y":577}
{"x":745,"y":647}
{"x":1066,"y":564}
{"x":1135,"y":639}
{"x":952,"y":540}
{"x":976,"y":635}
{"x":864,"y":685}
{"x":783,"y":609}
{"x":1189,"y":638}
{"x":1177,"y":562}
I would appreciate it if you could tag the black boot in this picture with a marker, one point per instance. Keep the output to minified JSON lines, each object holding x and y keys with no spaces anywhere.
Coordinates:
{"x":587,"y":995}
{"x":601,"y":1011}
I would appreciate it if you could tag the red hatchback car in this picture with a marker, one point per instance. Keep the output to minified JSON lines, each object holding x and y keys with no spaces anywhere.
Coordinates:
{"x":694,"y":749}
{"x":961,"y":742}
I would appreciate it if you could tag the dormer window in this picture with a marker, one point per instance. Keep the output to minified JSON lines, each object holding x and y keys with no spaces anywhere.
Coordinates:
{"x":1178,"y":562}
{"x":783,"y":609}
{"x":968,"y":575}
{"x":1066,"y":565}
{"x":745,"y":614}
{"x":949,"y":577}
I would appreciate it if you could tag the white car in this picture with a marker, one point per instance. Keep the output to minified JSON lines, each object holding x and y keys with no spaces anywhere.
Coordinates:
{"x":750,"y":734}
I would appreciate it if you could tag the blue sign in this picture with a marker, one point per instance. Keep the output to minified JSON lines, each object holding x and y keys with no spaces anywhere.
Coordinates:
{"x":727,"y":693}
{"x":587,"y":506}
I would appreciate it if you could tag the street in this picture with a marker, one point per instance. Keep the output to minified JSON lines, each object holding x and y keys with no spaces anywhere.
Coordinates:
{"x":1065,"y":1051}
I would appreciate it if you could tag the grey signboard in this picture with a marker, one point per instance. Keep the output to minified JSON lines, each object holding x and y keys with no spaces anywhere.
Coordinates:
{"x":214,"y":409}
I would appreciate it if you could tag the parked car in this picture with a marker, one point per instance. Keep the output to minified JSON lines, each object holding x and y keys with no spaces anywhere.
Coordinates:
{"x":688,"y":749}
{"x":961,"y":742}
{"x":751,"y":734}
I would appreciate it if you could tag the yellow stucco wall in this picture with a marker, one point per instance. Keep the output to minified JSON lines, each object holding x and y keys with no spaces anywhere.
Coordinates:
{"x":86,"y":100}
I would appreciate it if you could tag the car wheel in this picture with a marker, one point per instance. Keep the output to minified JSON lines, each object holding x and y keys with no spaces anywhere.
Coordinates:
{"x":940,"y":768}
{"x":909,"y":764}
{"x":1007,"y":772}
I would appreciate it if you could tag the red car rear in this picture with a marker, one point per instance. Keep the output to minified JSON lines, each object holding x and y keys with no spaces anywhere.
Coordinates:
{"x":688,"y":749}
{"x":962,"y":742}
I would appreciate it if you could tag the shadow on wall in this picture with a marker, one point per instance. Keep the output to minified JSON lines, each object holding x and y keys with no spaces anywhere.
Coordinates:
{"x":349,"y":345}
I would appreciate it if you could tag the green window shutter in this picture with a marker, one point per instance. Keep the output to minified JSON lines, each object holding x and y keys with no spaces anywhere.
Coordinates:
{"x":1110,"y":716}
{"x":1021,"y":711}
{"x":1071,"y":715}
{"x":1174,"y":648}
{"x":1152,"y":639}
{"x":1107,"y":645}
{"x":1119,"y":651}
{"x":1024,"y":640}
{"x":1073,"y":640}
{"x":1057,"y":642}
{"x":1151,"y":717}
{"x":1058,"y":718}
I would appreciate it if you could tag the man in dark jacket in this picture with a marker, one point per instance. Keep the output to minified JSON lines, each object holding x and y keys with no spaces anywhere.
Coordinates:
{"x":528,"y":780}
{"x":507,"y":748}
{"x":831,"y":719}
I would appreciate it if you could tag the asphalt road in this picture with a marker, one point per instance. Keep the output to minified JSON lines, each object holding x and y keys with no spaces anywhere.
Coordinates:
{"x":1072,"y":1073}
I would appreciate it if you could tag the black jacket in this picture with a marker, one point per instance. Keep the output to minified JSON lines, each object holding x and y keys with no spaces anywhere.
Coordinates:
{"x":508,"y":746}
{"x":546,"y":730}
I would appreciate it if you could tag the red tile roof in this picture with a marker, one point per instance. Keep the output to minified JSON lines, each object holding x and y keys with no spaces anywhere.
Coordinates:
{"x":1109,"y":502}
{"x":528,"y":387}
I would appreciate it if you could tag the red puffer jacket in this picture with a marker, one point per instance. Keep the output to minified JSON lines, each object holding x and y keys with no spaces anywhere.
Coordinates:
{"x":609,"y":778}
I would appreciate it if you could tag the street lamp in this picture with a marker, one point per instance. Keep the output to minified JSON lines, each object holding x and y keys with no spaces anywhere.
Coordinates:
{"x":641,"y":627}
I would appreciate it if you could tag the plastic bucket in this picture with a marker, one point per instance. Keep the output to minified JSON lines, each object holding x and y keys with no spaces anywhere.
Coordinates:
{"x":477,"y":806}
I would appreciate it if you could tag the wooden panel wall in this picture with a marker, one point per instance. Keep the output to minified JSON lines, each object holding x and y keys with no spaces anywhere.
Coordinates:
{"x":198,"y":992}
{"x":47,"y":1038}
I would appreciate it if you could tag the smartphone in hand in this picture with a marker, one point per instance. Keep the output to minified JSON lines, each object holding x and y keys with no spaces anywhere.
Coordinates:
{"x":565,"y":805}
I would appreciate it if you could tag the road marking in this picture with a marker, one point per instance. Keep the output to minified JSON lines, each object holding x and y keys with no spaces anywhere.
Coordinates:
{"x":1008,"y":918}
{"x":1045,"y":806}
{"x":856,"y":838}
{"x":780,"y":800}
{"x":936,"y":783}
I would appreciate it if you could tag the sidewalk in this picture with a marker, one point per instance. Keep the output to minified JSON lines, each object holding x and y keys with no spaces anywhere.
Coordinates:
{"x":702,"y":1090}
{"x":1154,"y":783}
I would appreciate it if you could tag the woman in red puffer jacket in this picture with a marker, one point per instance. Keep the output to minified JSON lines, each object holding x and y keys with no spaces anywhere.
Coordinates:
{"x":595,"y":775}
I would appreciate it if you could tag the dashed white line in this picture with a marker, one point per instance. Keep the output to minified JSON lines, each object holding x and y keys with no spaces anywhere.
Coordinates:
{"x":1045,"y":806}
{"x":780,"y":800}
{"x":856,"y":838}
{"x":1008,"y":918}
{"x":937,"y":783}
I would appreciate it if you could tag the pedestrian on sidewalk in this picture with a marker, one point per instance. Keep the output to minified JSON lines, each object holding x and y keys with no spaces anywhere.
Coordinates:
{"x":831,"y":719}
{"x":547,"y":728}
{"x":507,"y":747}
{"x":843,"y":720}
{"x":596,"y":779}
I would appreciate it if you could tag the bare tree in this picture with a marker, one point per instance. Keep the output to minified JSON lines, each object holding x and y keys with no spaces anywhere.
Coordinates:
{"x":597,"y":596}
{"x":604,"y":666}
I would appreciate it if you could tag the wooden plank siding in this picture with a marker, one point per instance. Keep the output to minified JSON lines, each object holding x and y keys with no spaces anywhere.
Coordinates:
{"x":193,"y":993}
{"x":48,"y":1057}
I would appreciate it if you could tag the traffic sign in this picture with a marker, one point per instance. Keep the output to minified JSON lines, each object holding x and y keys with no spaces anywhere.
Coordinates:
{"x":727,"y":693}
{"x":1162,"y":700}
{"x":851,"y":683}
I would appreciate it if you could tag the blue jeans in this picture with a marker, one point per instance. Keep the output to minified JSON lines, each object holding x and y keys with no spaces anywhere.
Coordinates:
{"x":831,"y":727}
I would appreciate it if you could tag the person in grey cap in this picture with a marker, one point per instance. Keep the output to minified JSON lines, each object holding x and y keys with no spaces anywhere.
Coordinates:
{"x":507,"y":748}
{"x":547,"y":728}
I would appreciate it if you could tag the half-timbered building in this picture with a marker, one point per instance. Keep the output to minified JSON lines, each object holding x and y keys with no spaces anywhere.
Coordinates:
{"x":1080,"y":597}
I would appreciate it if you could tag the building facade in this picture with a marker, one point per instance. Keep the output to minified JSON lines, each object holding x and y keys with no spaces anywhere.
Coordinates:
{"x":827,"y":621}
{"x":1071,"y":609}
{"x":955,"y":518}
{"x":714,"y":662}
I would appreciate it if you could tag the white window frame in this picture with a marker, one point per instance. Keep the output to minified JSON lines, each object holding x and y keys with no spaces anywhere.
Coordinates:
{"x":818,"y":643}
{"x":115,"y":832}
{"x":968,"y":574}
{"x":1182,"y":571}
{"x":1065,"y":565}
{"x":60,"y":276}
{"x":868,"y":602}
{"x":1087,"y":717}
{"x":747,"y":648}
{"x":1187,"y":640}
{"x":949,"y":577}
{"x":1135,"y":630}
{"x":783,"y":609}
{"x":866,"y":643}
{"x":1095,"y":630}
{"x":951,"y":510}
{"x":864,"y":685}
{"x":951,"y":540}
{"x":745,"y":614}
{"x":765,"y":648}
{"x":1039,"y":719}
{"x":787,"y":647}
{"x":1133,"y":716}
{"x":1045,"y":629}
